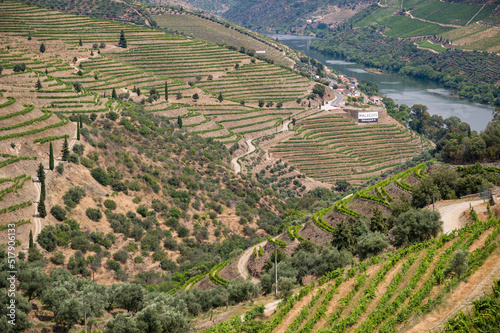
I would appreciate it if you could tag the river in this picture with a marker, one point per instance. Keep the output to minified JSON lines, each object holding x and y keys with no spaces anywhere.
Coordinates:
{"x":403,"y":90}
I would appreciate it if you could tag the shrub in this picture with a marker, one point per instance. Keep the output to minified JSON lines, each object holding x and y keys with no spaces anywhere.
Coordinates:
{"x":80,"y":243}
{"x":73,"y":196}
{"x":73,"y":158}
{"x":183,"y":231}
{"x":58,"y":212}
{"x":100,"y":176}
{"x":94,"y":214}
{"x":114,"y":265}
{"x":79,"y":149}
{"x":371,"y":244}
{"x":121,"y":256}
{"x":110,"y":204}
{"x":58,"y":258}
{"x":142,"y":210}
{"x":60,"y":168}
{"x":19,"y":67}
{"x":88,"y":163}
{"x":168,"y":265}
{"x":138,"y":260}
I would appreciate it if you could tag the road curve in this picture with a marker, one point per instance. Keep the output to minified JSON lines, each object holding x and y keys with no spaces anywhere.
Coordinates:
{"x":450,"y":214}
{"x":234,"y":161}
{"x":243,"y":262}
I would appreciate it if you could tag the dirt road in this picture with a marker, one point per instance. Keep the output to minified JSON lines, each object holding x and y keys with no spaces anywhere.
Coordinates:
{"x":243,"y":262}
{"x":451,"y":213}
{"x":234,"y":161}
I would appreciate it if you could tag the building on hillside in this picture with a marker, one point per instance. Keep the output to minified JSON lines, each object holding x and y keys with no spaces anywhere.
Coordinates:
{"x":376,"y":99}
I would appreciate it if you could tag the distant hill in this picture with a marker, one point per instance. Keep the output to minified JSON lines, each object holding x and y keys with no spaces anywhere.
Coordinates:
{"x":281,"y":16}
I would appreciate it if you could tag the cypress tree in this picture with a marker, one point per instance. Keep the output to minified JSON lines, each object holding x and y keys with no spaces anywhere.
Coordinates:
{"x":80,"y":42}
{"x":40,"y":172}
{"x":46,"y":71}
{"x":41,"y":207}
{"x":65,"y":150}
{"x":51,"y":157}
{"x":29,"y":35}
{"x":78,"y":131}
{"x":166,"y":91}
{"x":113,"y":94}
{"x":31,"y":239}
{"x":42,"y":48}
{"x":220,"y":98}
{"x":81,"y":122}
{"x":123,"y":41}
{"x":179,"y":121}
{"x":38,"y":84}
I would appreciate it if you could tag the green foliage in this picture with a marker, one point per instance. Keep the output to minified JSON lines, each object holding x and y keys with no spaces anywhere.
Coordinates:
{"x":110,"y":204}
{"x":416,"y":226}
{"x":94,"y":214}
{"x":73,"y":196}
{"x":371,"y":244}
{"x":100,"y":176}
{"x":58,"y":212}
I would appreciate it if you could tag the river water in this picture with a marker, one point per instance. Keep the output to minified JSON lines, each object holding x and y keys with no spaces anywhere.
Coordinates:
{"x":403,"y":90}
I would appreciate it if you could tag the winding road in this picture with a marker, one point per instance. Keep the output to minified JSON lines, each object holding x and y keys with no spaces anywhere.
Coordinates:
{"x":234,"y":161}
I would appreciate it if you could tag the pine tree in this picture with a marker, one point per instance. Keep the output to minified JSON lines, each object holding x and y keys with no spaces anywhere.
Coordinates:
{"x":51,"y":157}
{"x":123,"y":41}
{"x":166,"y":91}
{"x":179,"y":121}
{"x":31,"y":240}
{"x":38,"y":84}
{"x":80,"y":42}
{"x":220,"y":98}
{"x":42,"y":48}
{"x":113,"y":94}
{"x":41,"y":207}
{"x":65,"y":150}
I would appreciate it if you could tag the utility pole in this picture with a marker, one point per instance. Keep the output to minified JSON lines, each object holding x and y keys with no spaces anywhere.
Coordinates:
{"x":276,"y":270}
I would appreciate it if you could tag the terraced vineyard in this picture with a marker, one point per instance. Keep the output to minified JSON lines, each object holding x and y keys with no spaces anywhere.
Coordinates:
{"x":429,"y":17}
{"x":386,"y":293}
{"x":332,"y":147}
{"x":215,"y":32}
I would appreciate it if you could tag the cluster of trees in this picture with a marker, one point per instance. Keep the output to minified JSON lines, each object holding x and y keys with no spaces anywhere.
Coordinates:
{"x":454,"y":139}
{"x":447,"y":183}
{"x":74,"y":300}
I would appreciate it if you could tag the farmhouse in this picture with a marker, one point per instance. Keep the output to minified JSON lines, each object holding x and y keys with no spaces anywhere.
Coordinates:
{"x":375,"y":99}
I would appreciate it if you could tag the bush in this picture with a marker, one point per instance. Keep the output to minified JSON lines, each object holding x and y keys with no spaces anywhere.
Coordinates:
{"x":58,"y":212}
{"x":183,"y":231}
{"x":114,"y":265}
{"x":80,"y":243}
{"x":371,"y":244}
{"x":121,"y":256}
{"x":88,"y":163}
{"x":168,"y":265}
{"x":110,"y":204}
{"x":142,"y":210}
{"x":79,"y":149}
{"x":58,"y":258}
{"x":73,"y":158}
{"x":19,"y":67}
{"x":73,"y":196}
{"x":60,"y":168}
{"x":416,"y":226}
{"x":138,"y":260}
{"x":94,"y":214}
{"x":100,"y":176}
